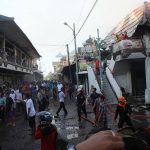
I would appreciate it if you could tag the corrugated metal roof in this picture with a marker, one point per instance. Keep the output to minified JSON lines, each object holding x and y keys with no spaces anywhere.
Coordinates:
{"x":139,"y":16}
{"x":5,"y":18}
{"x":12,"y":31}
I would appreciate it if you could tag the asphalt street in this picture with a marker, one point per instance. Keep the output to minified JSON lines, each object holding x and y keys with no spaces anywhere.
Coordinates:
{"x":19,"y":138}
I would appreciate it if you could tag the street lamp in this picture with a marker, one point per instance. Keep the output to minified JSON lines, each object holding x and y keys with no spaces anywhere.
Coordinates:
{"x":70,"y":76}
{"x":100,"y":59}
{"x":74,"y":35}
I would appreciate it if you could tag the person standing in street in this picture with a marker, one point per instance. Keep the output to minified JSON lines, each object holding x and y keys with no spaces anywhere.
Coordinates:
{"x":9,"y":110}
{"x":51,"y":87}
{"x":30,"y":112}
{"x":70,"y":91}
{"x":93,"y":96}
{"x":41,"y":100}
{"x":81,"y":103}
{"x":123,"y":110}
{"x":104,"y":66}
{"x":61,"y":96}
{"x":59,"y":86}
{"x":97,"y":66}
{"x":46,"y":131}
{"x":19,"y":100}
{"x":101,"y":110}
{"x":2,"y":106}
{"x":13,"y":96}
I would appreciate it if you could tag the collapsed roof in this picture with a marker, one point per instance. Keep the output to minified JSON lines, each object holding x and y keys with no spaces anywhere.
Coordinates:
{"x":139,"y":16}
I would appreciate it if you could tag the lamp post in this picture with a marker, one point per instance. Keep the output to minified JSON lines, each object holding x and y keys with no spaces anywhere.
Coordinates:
{"x":100,"y":59}
{"x":75,"y":45}
{"x":70,"y":76}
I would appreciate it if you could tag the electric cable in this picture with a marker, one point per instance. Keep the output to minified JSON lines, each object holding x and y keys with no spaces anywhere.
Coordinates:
{"x":80,"y":14}
{"x":84,"y":20}
{"x":78,"y":30}
{"x":87,"y":17}
{"x":50,"y":45}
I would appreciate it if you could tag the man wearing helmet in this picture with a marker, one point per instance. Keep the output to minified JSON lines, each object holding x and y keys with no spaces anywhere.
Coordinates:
{"x":124,"y":110}
{"x":46,"y":131}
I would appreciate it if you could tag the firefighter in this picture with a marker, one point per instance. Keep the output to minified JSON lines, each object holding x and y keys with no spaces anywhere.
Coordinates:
{"x":124,"y":111}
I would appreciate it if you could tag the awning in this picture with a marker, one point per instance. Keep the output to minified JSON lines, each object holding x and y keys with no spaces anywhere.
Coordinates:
{"x":82,"y":72}
{"x":65,"y":70}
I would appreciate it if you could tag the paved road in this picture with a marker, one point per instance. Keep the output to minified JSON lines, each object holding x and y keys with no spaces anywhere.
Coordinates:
{"x":18,"y":138}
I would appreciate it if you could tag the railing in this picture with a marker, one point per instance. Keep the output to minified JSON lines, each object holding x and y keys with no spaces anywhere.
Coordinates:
{"x":92,"y":79}
{"x":18,"y":62}
{"x":112,"y":80}
{"x":35,"y":67}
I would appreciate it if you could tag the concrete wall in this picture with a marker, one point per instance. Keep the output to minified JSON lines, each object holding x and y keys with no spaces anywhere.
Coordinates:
{"x":147,"y":70}
{"x":33,"y":77}
{"x":122,"y":75}
{"x":146,"y":40}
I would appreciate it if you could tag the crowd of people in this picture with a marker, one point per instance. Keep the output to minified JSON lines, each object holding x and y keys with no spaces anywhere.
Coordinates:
{"x":30,"y":98}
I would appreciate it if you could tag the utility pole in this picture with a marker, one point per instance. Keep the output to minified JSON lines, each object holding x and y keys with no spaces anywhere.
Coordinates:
{"x":70,"y":76}
{"x":76,"y":54}
{"x":75,"y":45}
{"x":100,"y":59}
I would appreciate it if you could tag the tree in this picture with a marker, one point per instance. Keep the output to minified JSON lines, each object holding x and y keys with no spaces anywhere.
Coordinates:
{"x":49,"y":76}
{"x":101,"y":45}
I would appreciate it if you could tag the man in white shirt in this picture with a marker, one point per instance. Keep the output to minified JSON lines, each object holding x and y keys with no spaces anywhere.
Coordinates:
{"x":59,"y":86}
{"x":61,"y":102}
{"x":13,"y":96}
{"x":30,"y":112}
{"x":19,"y":100}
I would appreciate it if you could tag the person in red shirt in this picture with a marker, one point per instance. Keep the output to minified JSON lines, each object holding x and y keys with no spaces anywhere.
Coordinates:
{"x":97,"y":65}
{"x":124,"y":36}
{"x":46,"y":131}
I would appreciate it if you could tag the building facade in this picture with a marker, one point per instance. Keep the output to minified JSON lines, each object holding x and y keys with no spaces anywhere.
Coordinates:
{"x":18,"y":57}
{"x":132,"y":54}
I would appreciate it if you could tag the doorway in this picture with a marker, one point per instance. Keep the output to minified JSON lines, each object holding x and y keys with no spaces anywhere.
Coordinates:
{"x":138,"y":77}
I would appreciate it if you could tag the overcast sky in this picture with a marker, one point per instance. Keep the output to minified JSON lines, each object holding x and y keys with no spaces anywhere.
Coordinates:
{"x":42,"y":21}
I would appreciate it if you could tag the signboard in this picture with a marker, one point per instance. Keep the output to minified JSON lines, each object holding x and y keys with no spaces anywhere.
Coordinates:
{"x":85,"y":53}
{"x":85,"y":58}
{"x":82,"y":65}
{"x":128,"y":45}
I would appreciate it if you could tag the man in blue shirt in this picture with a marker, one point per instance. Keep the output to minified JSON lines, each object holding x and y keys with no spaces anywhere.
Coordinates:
{"x":2,"y":106}
{"x":51,"y":87}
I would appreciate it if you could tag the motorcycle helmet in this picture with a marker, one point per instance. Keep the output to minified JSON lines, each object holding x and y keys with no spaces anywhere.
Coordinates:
{"x":44,"y":118}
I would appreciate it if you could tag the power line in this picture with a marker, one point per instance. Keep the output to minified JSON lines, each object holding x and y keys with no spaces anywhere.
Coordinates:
{"x":80,"y":14}
{"x":87,"y":17}
{"x":62,"y":45}
{"x":84,"y":21}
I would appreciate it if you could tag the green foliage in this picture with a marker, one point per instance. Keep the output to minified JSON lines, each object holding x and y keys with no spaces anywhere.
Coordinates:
{"x":49,"y":76}
{"x":100,"y":44}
